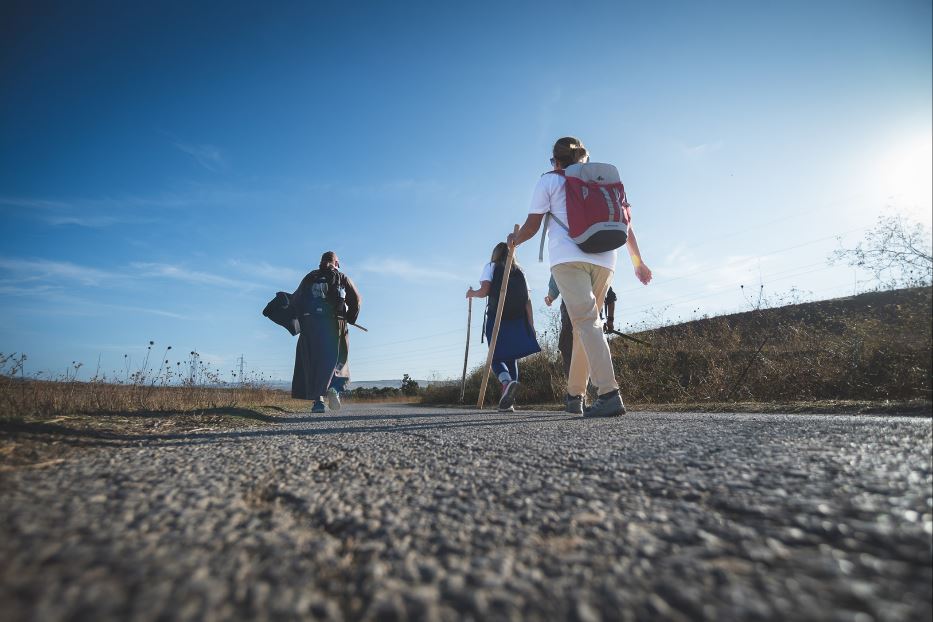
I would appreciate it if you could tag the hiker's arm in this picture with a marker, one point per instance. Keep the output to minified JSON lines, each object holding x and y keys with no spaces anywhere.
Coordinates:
{"x":642,"y":272}
{"x":482,"y":292}
{"x":528,"y":230}
{"x":353,"y":299}
{"x":610,"y":315}
{"x":552,"y":292}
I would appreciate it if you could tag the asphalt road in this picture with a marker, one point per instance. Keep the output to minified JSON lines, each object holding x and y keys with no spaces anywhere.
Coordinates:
{"x":398,"y":512}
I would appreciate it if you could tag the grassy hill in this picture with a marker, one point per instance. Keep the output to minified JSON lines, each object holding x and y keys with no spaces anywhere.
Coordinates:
{"x":873,"y":346}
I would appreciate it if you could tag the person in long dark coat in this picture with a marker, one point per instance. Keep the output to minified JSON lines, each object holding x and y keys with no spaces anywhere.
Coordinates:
{"x":325,"y":303}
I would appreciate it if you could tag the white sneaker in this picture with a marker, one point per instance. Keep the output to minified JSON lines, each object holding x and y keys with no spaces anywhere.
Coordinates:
{"x":333,"y":399}
{"x":508,"y":397}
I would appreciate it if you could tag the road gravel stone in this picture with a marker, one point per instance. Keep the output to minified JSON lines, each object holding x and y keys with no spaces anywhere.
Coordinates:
{"x":399,"y":512}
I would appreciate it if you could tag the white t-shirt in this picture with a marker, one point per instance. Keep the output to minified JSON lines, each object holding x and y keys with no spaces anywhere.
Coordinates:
{"x":488,"y":270}
{"x":549,"y":196}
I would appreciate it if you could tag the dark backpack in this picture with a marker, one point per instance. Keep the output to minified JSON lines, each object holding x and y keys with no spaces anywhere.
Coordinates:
{"x":324,"y":292}
{"x":516,"y":295}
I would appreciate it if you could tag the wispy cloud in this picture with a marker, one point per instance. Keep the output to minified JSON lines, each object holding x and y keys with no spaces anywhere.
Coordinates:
{"x":196,"y":277}
{"x":98,"y":212}
{"x":34,"y":276}
{"x":696,"y":151}
{"x":28,"y":203}
{"x":407,"y":271}
{"x":208,"y":156}
{"x":59,"y":303}
{"x":43,"y":269}
{"x":92,"y":222}
{"x":267,"y":272}
{"x":8,"y":288}
{"x":681,"y":264}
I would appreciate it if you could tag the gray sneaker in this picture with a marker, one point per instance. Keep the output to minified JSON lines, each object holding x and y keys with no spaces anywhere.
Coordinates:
{"x":606,"y":405}
{"x":574,"y":404}
{"x":333,"y":399}
{"x":508,"y":396}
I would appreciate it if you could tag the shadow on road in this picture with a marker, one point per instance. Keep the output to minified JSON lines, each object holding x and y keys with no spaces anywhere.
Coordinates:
{"x":389,"y":423}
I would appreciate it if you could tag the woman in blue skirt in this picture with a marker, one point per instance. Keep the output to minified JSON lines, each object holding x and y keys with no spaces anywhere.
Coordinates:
{"x":517,"y":328}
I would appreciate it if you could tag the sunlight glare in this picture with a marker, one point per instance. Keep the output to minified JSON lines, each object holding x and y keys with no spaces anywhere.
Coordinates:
{"x":906,"y":175}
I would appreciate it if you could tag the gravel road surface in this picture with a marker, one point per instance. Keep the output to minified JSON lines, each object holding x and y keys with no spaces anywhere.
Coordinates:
{"x":391,"y":512}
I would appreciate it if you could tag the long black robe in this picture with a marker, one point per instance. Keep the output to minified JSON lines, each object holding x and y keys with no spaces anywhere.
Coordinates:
{"x":321,"y":355}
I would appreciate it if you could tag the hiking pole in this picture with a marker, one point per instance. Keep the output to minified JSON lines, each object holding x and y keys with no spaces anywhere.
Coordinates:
{"x":467,"y":353}
{"x":495,"y":326}
{"x":365,"y":330}
{"x":630,"y":338}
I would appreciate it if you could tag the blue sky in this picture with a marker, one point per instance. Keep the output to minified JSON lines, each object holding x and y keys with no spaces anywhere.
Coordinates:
{"x":165,"y":168}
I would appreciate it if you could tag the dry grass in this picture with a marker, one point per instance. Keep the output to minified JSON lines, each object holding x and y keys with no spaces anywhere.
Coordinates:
{"x":874,"y":346}
{"x":865,"y":349}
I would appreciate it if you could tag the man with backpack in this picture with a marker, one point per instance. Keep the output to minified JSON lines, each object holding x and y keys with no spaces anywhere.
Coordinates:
{"x":325,"y":302}
{"x":588,"y":218}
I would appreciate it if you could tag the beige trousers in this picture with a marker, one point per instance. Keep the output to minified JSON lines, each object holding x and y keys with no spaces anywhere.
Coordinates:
{"x":583,"y":286}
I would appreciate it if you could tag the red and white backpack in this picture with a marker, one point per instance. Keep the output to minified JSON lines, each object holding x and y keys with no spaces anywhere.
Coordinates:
{"x":597,"y":210}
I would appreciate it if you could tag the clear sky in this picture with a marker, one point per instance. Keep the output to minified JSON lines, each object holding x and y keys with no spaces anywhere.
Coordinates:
{"x":166,"y":167}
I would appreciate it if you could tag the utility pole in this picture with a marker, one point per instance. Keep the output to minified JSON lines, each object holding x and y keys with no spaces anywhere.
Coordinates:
{"x":241,"y":370}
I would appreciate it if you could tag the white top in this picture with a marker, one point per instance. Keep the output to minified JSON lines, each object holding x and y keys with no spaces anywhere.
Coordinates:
{"x":488,"y":270}
{"x":549,"y":197}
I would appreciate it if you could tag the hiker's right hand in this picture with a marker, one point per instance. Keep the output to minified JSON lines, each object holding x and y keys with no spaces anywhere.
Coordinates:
{"x":548,"y":300}
{"x":469,"y":293}
{"x":643,"y":273}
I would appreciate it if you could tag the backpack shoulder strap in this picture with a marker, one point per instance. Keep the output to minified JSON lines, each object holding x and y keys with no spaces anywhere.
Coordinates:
{"x":547,"y":217}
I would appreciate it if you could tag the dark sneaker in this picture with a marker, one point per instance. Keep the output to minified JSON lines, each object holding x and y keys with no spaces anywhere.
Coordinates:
{"x":574,"y":404}
{"x":333,"y":399}
{"x":606,"y":405}
{"x":508,"y":396}
{"x":318,"y":407}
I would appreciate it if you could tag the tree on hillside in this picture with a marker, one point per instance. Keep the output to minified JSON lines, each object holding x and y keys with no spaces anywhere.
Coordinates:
{"x":409,"y":386}
{"x":898,"y":252}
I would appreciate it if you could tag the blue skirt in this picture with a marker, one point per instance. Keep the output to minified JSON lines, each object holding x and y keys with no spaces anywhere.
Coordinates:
{"x":516,"y":339}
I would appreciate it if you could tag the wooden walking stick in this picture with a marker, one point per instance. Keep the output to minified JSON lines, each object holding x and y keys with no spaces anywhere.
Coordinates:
{"x":467,"y":353}
{"x":495,"y":326}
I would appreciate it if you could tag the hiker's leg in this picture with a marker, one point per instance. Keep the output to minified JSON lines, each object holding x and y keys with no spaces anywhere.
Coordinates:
{"x":579,"y":284}
{"x":572,"y":280}
{"x":502,"y":370}
{"x":565,"y":339}
{"x":604,"y":376}
{"x":513,"y":369}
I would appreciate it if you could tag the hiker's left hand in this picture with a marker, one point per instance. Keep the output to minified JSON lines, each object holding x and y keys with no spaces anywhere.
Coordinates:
{"x":643,"y":273}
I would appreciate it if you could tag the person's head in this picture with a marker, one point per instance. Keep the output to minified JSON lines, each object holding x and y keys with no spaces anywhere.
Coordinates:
{"x":329,"y":259}
{"x":500,"y":253}
{"x":568,"y":150}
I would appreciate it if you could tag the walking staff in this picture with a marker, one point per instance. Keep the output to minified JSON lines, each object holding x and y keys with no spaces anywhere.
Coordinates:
{"x":498,"y":321}
{"x":466,"y":354}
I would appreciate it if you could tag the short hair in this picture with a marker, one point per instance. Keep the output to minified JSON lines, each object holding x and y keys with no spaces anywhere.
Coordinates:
{"x":330,"y":257}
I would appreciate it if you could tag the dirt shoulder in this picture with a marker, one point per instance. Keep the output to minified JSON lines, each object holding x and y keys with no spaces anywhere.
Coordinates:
{"x":39,"y":441}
